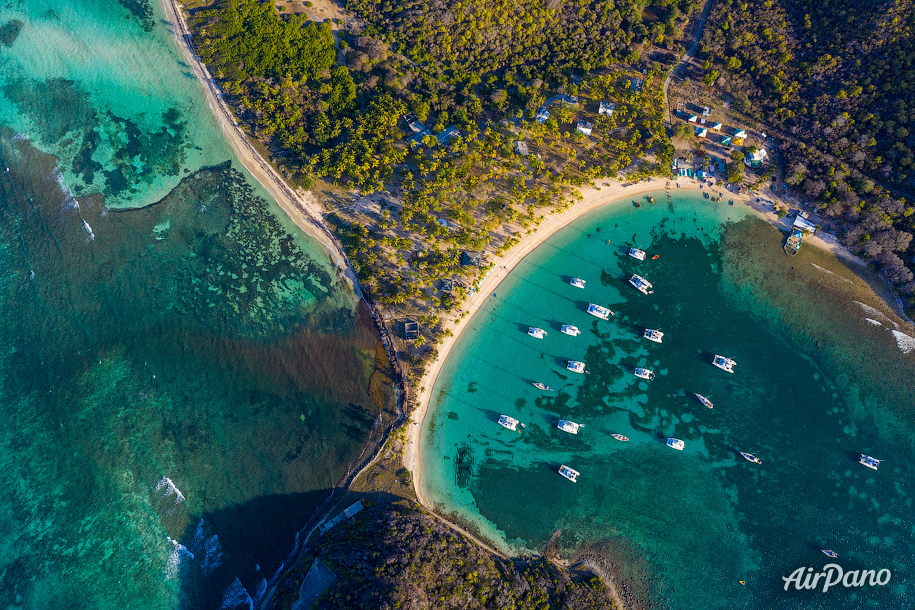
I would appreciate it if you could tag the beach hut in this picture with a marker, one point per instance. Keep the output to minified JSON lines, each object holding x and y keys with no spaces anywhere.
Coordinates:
{"x":469,"y":257}
{"x":692,"y":118}
{"x":726,"y":140}
{"x":716,"y":126}
{"x":701,"y":132}
{"x":585,"y":127}
{"x":607,"y":108}
{"x":706,"y":111}
{"x":740,"y":133}
{"x":542,"y":115}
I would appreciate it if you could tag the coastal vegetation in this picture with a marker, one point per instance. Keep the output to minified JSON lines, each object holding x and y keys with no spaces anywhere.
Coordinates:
{"x":835,"y":81}
{"x":397,"y":556}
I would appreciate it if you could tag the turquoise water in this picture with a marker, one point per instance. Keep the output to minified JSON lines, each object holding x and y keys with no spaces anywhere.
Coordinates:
{"x":183,"y":376}
{"x":703,"y":519}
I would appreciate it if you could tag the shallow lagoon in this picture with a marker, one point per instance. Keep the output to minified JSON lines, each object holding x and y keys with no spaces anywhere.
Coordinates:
{"x":696,"y":522}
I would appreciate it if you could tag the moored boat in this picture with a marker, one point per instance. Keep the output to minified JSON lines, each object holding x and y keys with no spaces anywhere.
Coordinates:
{"x":568,"y":426}
{"x":640,"y":284}
{"x":569,"y":473}
{"x":509,"y":422}
{"x":829,"y":553}
{"x":577,"y":282}
{"x":620,"y":437}
{"x":705,"y":401}
{"x":537,"y":333}
{"x":599,"y":311}
{"x":575,"y":366}
{"x":570,"y":330}
{"x":653,"y":335}
{"x":643,"y":373}
{"x":751,"y":458}
{"x":541,"y":386}
{"x":872,"y":463}
{"x":675,"y":443}
{"x":725,"y":364}
{"x":637,"y":254}
{"x":650,"y":199}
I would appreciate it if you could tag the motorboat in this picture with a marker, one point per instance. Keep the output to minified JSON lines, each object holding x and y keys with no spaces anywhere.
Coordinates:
{"x":643,"y":373}
{"x":675,"y":443}
{"x":872,"y":463}
{"x":620,"y":437}
{"x":751,"y":458}
{"x":577,"y":282}
{"x":653,"y":335}
{"x":637,"y":204}
{"x":536,"y":333}
{"x":570,"y":330}
{"x":508,"y":422}
{"x":640,"y":284}
{"x":705,"y":401}
{"x":829,"y":553}
{"x":568,"y":426}
{"x":599,"y":311}
{"x":541,"y":386}
{"x":637,"y":254}
{"x":575,"y":366}
{"x":569,"y":473}
{"x":650,"y":199}
{"x":725,"y":364}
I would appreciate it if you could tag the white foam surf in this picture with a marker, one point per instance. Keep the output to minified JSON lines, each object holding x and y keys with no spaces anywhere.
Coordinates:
{"x":905,"y":342}
{"x":173,"y":563}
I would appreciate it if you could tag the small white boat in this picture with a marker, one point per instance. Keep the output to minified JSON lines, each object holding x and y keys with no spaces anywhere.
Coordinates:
{"x":541,"y":386}
{"x":637,"y":254}
{"x":725,"y":364}
{"x":536,"y":333}
{"x":599,"y":311}
{"x":568,"y":426}
{"x":575,"y":366}
{"x":675,"y":443}
{"x":829,"y":553}
{"x":577,"y":282}
{"x":705,"y":401}
{"x":751,"y":458}
{"x":569,"y":473}
{"x":509,"y":422}
{"x":570,"y":330}
{"x":640,"y":284}
{"x":620,"y":437}
{"x":653,"y":335}
{"x":872,"y":463}
{"x":643,"y":373}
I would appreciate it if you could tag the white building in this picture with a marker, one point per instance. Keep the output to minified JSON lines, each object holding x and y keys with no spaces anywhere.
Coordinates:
{"x":607,"y":108}
{"x":585,"y":127}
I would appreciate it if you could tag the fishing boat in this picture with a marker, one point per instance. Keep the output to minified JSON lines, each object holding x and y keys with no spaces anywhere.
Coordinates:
{"x":650,"y":199}
{"x":637,"y":254}
{"x":725,"y":364}
{"x":536,"y":333}
{"x":575,"y":366}
{"x":751,"y":458}
{"x":620,"y":437}
{"x":541,"y":386}
{"x":577,"y":282}
{"x":569,"y":473}
{"x":599,"y":311}
{"x":643,"y":373}
{"x":568,"y":426}
{"x":829,"y":553}
{"x":705,"y":401}
{"x":653,"y":335}
{"x":508,"y":422}
{"x":872,"y":463}
{"x":570,"y":330}
{"x":640,"y":284}
{"x":675,"y":443}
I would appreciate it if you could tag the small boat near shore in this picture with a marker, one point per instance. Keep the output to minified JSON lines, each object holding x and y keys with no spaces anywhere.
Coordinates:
{"x":637,"y":254}
{"x":568,"y":329}
{"x":536,"y":333}
{"x":872,"y":463}
{"x":643,"y":373}
{"x":575,"y":366}
{"x":640,"y":284}
{"x":725,"y":364}
{"x":568,"y":426}
{"x":599,"y":311}
{"x":653,"y":335}
{"x":569,"y":473}
{"x":704,"y":401}
{"x":675,"y":443}
{"x":620,"y":437}
{"x":751,"y":458}
{"x":637,"y":204}
{"x":508,"y":422}
{"x":577,"y":282}
{"x":541,"y":386}
{"x":650,"y":199}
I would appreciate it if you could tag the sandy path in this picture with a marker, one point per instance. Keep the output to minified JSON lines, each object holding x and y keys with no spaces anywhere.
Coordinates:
{"x":304,"y":211}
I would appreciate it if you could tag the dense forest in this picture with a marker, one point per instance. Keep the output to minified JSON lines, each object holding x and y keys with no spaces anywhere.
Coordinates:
{"x":398,"y":557}
{"x":837,"y":81}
